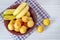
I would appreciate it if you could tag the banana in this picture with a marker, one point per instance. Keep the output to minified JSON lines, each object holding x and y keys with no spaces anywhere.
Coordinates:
{"x":23,"y":12}
{"x":9,"y":17}
{"x":8,"y":12}
{"x":19,"y":8}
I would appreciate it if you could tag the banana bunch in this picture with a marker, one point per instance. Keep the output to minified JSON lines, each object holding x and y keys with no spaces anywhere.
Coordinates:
{"x":8,"y":14}
{"x":23,"y":12}
{"x":19,"y":8}
{"x":19,"y":12}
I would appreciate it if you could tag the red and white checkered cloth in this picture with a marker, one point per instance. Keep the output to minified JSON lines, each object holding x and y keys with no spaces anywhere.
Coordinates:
{"x":41,"y":15}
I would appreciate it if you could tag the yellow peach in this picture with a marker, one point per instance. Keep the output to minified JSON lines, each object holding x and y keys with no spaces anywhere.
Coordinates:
{"x":23,"y":29}
{"x":17,"y":23}
{"x":30,"y":18}
{"x":40,"y":29}
{"x":28,"y":14}
{"x":11,"y":25}
{"x":25,"y":19}
{"x":17,"y":29}
{"x":30,"y":24}
{"x":46,"y":22}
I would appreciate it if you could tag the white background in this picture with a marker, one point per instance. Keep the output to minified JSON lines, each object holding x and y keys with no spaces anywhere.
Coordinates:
{"x":52,"y":32}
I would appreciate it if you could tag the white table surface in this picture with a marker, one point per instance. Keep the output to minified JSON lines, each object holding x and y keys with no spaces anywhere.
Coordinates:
{"x":52,"y":32}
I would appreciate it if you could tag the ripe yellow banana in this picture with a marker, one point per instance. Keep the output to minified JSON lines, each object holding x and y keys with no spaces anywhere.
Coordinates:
{"x":19,"y":8}
{"x":23,"y":12}
{"x":8,"y":12}
{"x":9,"y":17}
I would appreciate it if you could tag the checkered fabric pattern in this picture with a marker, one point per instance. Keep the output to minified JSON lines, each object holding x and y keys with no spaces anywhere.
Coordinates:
{"x":41,"y":15}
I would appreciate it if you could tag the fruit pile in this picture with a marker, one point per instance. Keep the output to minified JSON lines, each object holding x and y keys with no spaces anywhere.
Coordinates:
{"x":20,"y":18}
{"x":20,"y":25}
